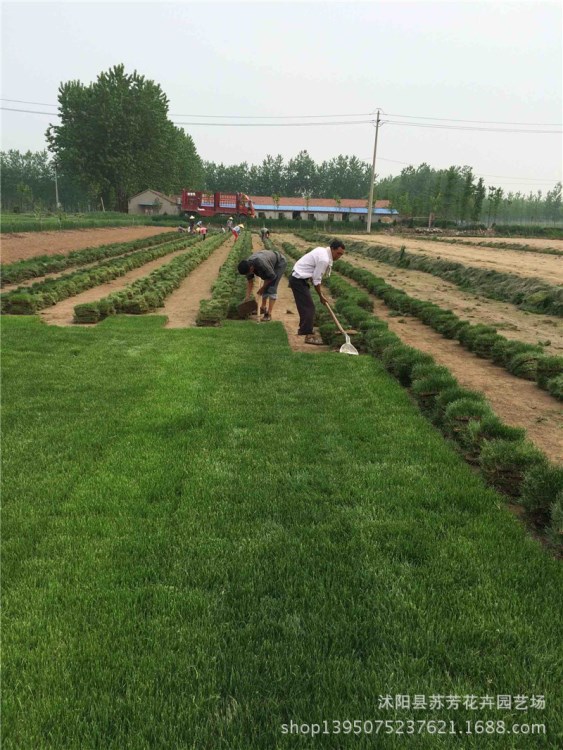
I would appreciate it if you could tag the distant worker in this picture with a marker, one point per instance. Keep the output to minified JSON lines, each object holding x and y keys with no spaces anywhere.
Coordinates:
{"x":203,"y":231}
{"x":268,"y":265}
{"x":265,"y":233}
{"x":312,"y":266}
{"x":230,"y":223}
{"x":192,"y":222}
{"x":237,"y":230}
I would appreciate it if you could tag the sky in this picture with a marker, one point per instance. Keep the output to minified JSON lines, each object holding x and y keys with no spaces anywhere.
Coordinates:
{"x":468,"y":67}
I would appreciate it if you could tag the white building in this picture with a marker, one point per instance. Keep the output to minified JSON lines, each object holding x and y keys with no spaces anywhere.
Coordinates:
{"x":322,"y":209}
{"x":151,"y":202}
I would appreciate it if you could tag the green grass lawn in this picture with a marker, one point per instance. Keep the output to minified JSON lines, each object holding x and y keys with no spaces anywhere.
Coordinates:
{"x":206,"y":536}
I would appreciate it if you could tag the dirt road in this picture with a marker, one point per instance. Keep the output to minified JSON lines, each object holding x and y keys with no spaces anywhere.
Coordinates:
{"x":30,"y":244}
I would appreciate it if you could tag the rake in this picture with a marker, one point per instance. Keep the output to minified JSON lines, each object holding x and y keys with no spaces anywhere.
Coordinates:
{"x":347,"y":347}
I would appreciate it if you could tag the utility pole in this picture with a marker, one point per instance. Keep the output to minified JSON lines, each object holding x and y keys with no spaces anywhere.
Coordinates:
{"x":370,"y":202}
{"x":56,"y":188}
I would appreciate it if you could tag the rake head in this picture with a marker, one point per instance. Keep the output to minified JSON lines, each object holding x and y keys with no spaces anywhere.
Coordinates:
{"x":348,"y":347}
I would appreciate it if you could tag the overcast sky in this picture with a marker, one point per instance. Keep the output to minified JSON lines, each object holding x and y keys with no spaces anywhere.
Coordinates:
{"x":492,"y":62}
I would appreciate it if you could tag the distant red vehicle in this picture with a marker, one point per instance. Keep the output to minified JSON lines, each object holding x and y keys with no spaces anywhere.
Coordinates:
{"x":213,"y":204}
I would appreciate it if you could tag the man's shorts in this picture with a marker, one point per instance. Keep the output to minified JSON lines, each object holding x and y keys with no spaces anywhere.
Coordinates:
{"x":272,"y":289}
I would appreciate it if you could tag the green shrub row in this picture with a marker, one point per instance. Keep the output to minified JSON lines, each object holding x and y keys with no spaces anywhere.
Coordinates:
{"x":212,"y":311}
{"x":508,"y":461}
{"x":496,"y":245}
{"x":13,"y":273}
{"x":527,"y":293}
{"x":28,"y":300}
{"x":14,"y":224}
{"x":519,"y":358}
{"x":149,"y":292}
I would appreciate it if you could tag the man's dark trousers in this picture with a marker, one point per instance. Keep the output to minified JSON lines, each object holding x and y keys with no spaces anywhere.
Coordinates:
{"x":305,"y":305}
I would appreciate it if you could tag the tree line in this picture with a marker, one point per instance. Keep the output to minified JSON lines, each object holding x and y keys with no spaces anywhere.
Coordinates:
{"x":114,"y":139}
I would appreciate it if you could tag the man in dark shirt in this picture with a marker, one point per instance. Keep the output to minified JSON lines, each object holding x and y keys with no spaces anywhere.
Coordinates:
{"x":268,"y":265}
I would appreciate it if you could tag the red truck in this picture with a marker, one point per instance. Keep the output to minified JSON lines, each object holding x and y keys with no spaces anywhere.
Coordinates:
{"x":213,"y":204}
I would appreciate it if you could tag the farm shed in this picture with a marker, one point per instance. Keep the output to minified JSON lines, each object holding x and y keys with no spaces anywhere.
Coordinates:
{"x":321,"y":209}
{"x":152,"y":202}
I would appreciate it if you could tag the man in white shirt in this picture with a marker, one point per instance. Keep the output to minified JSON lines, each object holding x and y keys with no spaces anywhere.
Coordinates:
{"x":312,"y":266}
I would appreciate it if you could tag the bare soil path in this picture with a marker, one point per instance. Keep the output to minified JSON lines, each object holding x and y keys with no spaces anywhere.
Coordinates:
{"x":546,"y":267}
{"x":62,"y":313}
{"x":518,"y":402}
{"x":508,"y":319}
{"x":182,"y":306}
{"x":537,"y":243}
{"x":30,"y":244}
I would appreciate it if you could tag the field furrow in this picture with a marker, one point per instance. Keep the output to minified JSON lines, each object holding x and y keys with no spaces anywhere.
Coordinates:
{"x":62,"y":314}
{"x":519,"y":403}
{"x":508,"y":319}
{"x":546,"y":267}
{"x":182,"y":306}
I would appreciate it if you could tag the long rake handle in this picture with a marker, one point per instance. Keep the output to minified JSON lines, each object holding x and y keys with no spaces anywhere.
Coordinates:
{"x":329,"y":308}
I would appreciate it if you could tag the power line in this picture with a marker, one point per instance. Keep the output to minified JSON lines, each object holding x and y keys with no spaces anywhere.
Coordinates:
{"x":30,"y":111}
{"x":482,"y":122}
{"x":472,"y":129}
{"x":274,"y":124}
{"x":21,"y":101}
{"x":310,"y":117}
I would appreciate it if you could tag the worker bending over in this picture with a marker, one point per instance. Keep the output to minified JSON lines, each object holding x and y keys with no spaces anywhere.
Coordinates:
{"x":268,"y":265}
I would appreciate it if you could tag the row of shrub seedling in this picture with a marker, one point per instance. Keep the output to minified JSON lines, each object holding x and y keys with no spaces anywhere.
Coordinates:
{"x":13,"y":273}
{"x":527,"y":293}
{"x":212,"y":311}
{"x":508,"y":462}
{"x":149,"y":292}
{"x":28,"y":300}
{"x":496,"y":245}
{"x":527,"y":361}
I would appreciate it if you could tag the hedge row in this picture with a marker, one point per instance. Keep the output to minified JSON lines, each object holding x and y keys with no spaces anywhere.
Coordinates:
{"x":496,"y":245}
{"x":28,"y":300}
{"x":212,"y":311}
{"x":530,"y":294}
{"x":523,"y":360}
{"x":13,"y":273}
{"x":149,"y":292}
{"x":508,"y":462}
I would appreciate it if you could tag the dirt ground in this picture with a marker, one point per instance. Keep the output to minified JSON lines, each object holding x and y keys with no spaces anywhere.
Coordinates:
{"x":182,"y":306}
{"x":30,"y":244}
{"x":508,"y":319}
{"x":62,"y":313}
{"x":546,"y":267}
{"x":518,"y":402}
{"x":537,"y":243}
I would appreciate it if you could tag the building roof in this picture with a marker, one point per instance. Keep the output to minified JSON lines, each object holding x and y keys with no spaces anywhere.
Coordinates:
{"x":315,"y":205}
{"x":325,"y":202}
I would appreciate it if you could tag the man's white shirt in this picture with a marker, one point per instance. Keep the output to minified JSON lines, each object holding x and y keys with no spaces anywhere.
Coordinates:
{"x":314,"y":265}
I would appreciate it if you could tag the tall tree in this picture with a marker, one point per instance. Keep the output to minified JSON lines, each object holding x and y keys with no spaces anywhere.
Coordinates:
{"x":115,"y":134}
